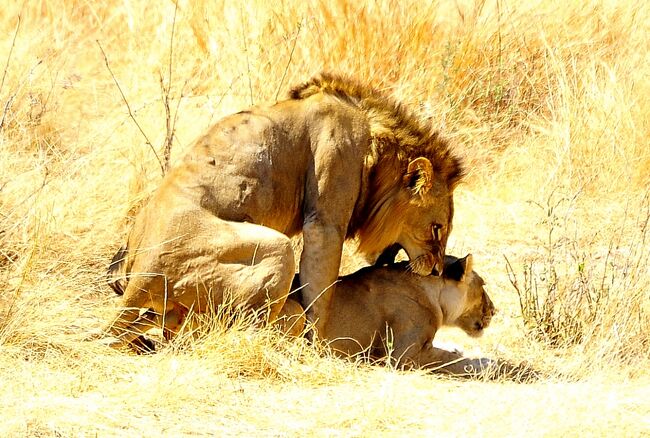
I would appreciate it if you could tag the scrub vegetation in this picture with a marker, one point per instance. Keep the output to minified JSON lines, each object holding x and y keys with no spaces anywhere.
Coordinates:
{"x":546,"y":101}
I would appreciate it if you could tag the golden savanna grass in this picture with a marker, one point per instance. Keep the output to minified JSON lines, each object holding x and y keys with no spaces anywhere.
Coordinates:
{"x":547,"y":101}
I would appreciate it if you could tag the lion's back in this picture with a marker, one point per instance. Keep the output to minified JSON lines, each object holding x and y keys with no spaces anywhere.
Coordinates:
{"x":253,"y":165}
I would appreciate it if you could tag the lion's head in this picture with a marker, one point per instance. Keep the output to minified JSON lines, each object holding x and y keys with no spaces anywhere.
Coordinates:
{"x":409,"y":176}
{"x":478,"y":309}
{"x":410,"y":202}
{"x":427,"y":218}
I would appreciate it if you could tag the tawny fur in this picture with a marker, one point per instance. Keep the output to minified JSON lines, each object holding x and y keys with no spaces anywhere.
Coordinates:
{"x":381,"y":311}
{"x":397,"y":136}
{"x":386,"y":311}
{"x":337,"y":160}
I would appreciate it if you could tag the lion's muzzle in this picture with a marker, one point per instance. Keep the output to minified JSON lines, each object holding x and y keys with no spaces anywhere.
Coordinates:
{"x":424,"y":264}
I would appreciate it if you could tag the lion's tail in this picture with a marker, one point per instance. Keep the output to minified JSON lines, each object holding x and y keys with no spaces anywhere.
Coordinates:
{"x":116,"y":274}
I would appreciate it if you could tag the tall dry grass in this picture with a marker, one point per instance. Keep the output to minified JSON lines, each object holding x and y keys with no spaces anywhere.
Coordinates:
{"x":546,"y":101}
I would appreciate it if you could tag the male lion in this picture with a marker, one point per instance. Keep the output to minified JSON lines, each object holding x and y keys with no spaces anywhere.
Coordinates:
{"x":337,"y":160}
{"x":378,"y":309}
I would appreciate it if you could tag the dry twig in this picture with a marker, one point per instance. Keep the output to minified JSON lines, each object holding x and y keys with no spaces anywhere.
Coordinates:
{"x":293,"y":48}
{"x":248,"y":64}
{"x":128,"y":107}
{"x":170,"y":126}
{"x":4,"y":74}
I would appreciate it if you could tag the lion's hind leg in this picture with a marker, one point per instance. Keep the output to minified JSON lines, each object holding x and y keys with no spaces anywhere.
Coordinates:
{"x":291,"y":320}
{"x":259,"y":266}
{"x":134,"y":318}
{"x":219,"y":263}
{"x":237,"y":265}
{"x":125,"y":329}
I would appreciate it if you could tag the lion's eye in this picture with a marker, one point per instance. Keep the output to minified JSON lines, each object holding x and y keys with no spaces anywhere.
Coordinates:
{"x":435,"y":230}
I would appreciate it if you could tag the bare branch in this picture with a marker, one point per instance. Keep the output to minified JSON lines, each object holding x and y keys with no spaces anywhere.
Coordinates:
{"x":6,"y":110}
{"x":178,"y":104}
{"x":11,"y":50}
{"x":4,"y":74}
{"x":13,"y":95}
{"x":222,"y":97}
{"x":170,"y":127}
{"x":293,"y":48}
{"x":171,"y":48}
{"x":128,"y":107}
{"x":248,"y":65}
{"x":164,"y":97}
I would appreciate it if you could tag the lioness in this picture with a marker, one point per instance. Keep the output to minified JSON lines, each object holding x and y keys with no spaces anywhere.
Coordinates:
{"x":381,"y":308}
{"x":378,"y":311}
{"x":337,"y":160}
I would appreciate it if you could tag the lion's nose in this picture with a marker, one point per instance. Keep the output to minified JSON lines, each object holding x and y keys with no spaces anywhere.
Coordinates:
{"x":478,"y":326}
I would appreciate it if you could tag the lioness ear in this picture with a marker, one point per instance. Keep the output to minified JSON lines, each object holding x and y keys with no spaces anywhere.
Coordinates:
{"x":458,"y":268}
{"x":420,"y":175}
{"x":389,"y":255}
{"x":453,"y":271}
{"x":469,"y":266}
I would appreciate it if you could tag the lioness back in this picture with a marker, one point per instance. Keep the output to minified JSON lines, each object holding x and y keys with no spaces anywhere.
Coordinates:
{"x":370,"y":305}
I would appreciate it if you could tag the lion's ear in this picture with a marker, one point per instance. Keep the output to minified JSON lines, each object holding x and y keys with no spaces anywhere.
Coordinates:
{"x":420,"y":175}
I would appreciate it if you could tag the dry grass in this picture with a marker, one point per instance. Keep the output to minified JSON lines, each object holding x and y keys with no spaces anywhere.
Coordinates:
{"x":547,"y":102}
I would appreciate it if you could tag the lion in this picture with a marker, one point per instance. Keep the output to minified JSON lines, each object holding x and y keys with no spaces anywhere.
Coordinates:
{"x":337,"y":160}
{"x":388,"y":311}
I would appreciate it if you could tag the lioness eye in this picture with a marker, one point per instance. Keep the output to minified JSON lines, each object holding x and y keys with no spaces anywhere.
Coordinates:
{"x":435,"y":229}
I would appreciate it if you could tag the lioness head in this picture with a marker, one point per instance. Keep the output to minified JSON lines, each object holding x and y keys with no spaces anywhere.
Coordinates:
{"x":478,"y":309}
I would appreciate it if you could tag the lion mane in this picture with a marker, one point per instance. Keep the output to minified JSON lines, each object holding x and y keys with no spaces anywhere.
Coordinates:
{"x":397,"y":135}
